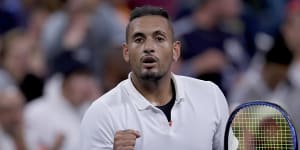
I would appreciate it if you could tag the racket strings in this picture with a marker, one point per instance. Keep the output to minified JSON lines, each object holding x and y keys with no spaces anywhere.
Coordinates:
{"x":262,"y":128}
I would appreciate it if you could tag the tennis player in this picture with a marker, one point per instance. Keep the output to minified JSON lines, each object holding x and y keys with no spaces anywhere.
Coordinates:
{"x":155,"y":109}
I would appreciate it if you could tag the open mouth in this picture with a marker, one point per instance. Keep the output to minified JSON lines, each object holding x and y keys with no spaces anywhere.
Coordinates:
{"x":149,"y":61}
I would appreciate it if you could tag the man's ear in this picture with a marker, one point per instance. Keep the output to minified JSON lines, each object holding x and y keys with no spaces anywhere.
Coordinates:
{"x":125,"y":52}
{"x":176,"y":50}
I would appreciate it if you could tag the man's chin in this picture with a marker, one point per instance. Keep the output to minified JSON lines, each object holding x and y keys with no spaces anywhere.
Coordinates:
{"x":150,"y":76}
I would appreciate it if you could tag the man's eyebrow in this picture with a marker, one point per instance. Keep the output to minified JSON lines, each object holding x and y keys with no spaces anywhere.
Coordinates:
{"x":159,"y":32}
{"x":138,"y":34}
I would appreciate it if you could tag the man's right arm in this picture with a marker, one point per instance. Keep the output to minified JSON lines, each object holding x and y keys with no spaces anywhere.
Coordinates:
{"x":97,"y":131}
{"x":125,"y":139}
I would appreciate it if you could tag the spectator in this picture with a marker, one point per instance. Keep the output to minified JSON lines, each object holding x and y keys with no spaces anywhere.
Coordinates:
{"x":259,"y":10}
{"x":290,"y":99}
{"x":63,"y":104}
{"x":37,"y":69}
{"x":209,"y":52}
{"x":14,"y":59}
{"x":88,"y":26}
{"x":116,"y":70}
{"x":12,"y":133}
{"x":107,"y":27}
{"x":267,"y":82}
{"x":17,"y":66}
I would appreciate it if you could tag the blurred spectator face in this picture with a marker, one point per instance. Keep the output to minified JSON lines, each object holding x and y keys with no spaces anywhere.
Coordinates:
{"x":291,"y":31}
{"x":36,"y":21}
{"x":79,"y":5}
{"x":11,"y":109}
{"x":74,"y":5}
{"x":79,"y":88}
{"x":229,"y":8}
{"x":91,"y":4}
{"x":16,"y":57}
{"x":275,"y":74}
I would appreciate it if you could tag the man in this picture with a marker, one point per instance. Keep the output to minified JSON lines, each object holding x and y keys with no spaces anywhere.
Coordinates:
{"x":154,"y":108}
{"x":64,"y":103}
{"x":17,"y":65}
{"x":291,"y":32}
{"x":212,"y":48}
{"x":267,"y":82}
{"x":12,"y":133}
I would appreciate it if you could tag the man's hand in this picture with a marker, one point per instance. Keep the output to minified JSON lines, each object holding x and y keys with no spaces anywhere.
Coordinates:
{"x":125,"y":139}
{"x":58,"y":142}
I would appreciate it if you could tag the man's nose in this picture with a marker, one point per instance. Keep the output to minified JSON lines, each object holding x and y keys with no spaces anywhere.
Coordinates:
{"x":148,"y":50}
{"x":149,"y":46}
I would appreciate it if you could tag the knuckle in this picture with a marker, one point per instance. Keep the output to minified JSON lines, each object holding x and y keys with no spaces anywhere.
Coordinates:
{"x":118,"y":136}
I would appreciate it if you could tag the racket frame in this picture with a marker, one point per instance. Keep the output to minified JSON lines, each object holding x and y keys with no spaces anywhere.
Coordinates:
{"x":260,"y":103}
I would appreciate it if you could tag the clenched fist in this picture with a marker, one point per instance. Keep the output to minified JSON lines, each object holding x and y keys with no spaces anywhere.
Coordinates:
{"x":125,"y":139}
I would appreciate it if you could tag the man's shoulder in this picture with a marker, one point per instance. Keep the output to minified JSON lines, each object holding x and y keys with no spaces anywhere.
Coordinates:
{"x":196,"y":87}
{"x":113,"y":97}
{"x":106,"y":106}
{"x":191,"y":81}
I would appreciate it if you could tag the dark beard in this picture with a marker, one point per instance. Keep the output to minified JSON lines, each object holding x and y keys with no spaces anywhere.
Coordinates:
{"x":151,"y":77}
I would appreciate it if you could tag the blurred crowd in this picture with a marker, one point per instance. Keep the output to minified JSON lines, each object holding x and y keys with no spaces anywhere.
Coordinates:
{"x":57,"y":56}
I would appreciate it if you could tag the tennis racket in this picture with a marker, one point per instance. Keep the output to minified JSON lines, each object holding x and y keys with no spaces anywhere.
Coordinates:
{"x":260,"y":125}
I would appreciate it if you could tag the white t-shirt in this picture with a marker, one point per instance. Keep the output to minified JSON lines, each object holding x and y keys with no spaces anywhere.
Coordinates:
{"x":198,"y":117}
{"x":51,"y":115}
{"x":6,"y":142}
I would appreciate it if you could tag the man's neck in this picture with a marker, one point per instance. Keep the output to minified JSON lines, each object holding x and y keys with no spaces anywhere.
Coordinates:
{"x":158,"y":92}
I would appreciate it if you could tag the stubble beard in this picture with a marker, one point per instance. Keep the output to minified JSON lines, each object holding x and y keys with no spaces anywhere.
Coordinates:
{"x":151,"y":76}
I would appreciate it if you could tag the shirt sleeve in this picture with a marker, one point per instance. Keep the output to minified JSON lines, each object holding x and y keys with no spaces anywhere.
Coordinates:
{"x":97,"y":128}
{"x":223,"y":113}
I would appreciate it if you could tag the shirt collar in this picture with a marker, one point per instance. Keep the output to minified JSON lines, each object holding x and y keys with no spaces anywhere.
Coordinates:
{"x":141,"y":102}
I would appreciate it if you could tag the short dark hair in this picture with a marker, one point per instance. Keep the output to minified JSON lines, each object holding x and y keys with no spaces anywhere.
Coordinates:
{"x":68,"y":63}
{"x":147,"y":11}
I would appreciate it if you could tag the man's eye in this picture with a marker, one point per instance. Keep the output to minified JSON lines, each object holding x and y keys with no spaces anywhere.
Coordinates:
{"x":160,"y":39}
{"x":138,"y":40}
